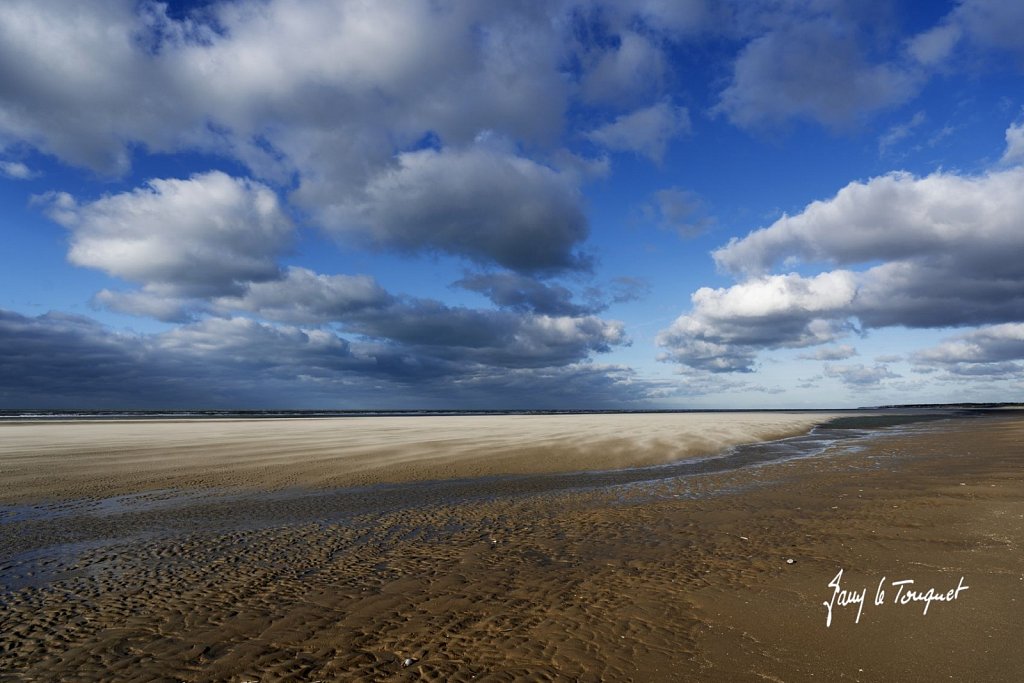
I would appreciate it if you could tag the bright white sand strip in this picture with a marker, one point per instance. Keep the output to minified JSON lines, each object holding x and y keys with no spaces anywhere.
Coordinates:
{"x":102,"y":458}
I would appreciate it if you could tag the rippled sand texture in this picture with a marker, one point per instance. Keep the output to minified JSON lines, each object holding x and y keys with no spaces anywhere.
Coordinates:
{"x":77,"y":459}
{"x":686,"y":579}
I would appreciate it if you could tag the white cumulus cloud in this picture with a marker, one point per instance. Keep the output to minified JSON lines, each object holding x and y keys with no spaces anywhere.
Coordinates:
{"x":16,"y":170}
{"x":203,"y":235}
{"x":937,"y":251}
{"x":1014,"y":153}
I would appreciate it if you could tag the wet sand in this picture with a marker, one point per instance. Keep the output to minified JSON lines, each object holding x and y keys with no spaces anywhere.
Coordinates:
{"x":665,"y":578}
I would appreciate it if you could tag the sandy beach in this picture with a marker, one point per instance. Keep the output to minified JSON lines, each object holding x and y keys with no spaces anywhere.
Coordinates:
{"x":122,"y":567}
{"x":76,"y":459}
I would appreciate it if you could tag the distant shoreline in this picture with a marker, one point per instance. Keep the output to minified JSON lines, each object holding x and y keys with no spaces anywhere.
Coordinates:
{"x":7,"y":415}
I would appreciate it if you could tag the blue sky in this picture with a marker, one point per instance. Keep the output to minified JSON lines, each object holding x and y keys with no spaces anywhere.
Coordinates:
{"x":330,"y":204}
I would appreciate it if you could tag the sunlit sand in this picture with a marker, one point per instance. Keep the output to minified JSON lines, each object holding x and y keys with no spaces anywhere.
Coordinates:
{"x":45,"y":459}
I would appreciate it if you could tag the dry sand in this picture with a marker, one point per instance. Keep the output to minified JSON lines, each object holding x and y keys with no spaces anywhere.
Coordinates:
{"x":103,"y":458}
{"x":681,"y":579}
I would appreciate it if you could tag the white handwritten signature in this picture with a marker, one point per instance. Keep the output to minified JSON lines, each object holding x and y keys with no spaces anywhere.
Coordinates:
{"x":841,"y":597}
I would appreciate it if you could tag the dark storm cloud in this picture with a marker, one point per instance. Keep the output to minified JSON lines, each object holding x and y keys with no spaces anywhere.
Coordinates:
{"x":304,"y":297}
{"x":519,"y":336}
{"x":524,"y":293}
{"x":481,"y":203}
{"x":58,"y":360}
{"x":495,"y":338}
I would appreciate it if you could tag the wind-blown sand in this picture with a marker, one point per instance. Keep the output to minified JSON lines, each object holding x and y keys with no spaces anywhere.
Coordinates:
{"x":78,"y":459}
{"x":682,"y":578}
